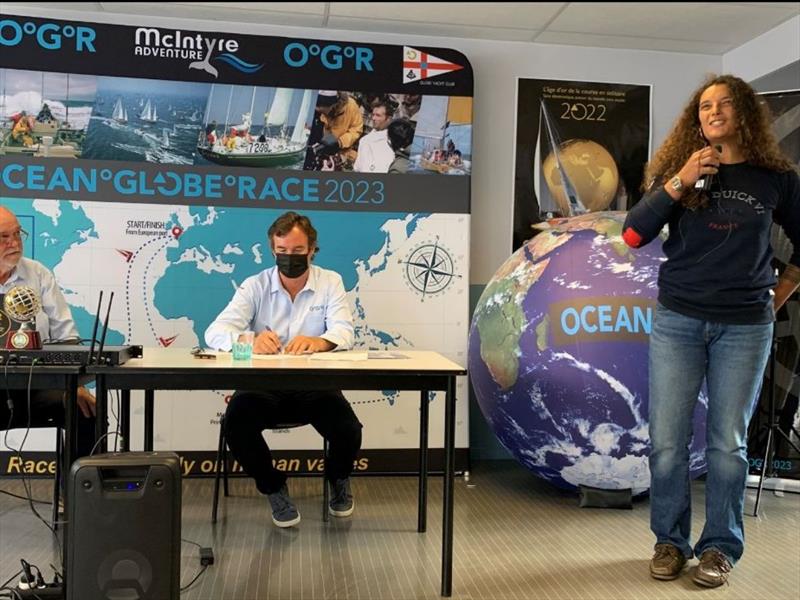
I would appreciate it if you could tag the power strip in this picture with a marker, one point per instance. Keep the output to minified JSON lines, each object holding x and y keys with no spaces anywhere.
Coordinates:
{"x":50,"y":592}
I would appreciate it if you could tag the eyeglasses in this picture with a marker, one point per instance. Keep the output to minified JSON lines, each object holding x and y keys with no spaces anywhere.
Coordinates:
{"x":17,"y":236}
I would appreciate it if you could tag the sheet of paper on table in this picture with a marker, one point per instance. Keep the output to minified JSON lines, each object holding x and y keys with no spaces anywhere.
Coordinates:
{"x":281,"y":356}
{"x":387,"y":354}
{"x":356,"y":355}
{"x":347,"y":355}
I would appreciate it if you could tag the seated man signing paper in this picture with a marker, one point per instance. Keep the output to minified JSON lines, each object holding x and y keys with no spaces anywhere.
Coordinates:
{"x":294,"y":308}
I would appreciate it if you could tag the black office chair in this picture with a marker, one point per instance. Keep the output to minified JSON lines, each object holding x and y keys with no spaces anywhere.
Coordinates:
{"x":222,"y":469}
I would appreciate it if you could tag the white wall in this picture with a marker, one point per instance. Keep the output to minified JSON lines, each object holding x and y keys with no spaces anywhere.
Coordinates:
{"x":768,"y":52}
{"x":496,"y":66}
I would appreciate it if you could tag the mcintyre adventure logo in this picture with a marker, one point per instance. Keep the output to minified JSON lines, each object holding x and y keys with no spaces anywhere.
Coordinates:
{"x":195,"y":47}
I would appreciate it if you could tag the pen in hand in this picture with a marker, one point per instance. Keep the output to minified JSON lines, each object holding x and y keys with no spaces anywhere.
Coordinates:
{"x":267,"y":342}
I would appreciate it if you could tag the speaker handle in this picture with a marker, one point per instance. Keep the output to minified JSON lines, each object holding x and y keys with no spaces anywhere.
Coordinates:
{"x":125,"y":585}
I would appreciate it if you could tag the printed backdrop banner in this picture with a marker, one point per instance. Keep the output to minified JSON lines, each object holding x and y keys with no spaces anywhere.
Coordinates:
{"x":785,"y":109}
{"x":151,"y":162}
{"x":580,"y":147}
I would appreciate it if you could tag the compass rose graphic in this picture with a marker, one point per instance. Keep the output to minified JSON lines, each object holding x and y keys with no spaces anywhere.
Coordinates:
{"x":429,"y":269}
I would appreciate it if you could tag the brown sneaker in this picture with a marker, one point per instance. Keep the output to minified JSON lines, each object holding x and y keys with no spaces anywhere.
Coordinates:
{"x":667,"y":562}
{"x":713,"y":569}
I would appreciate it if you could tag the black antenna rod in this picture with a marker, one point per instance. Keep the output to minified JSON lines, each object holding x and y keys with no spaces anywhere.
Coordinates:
{"x":94,"y":330}
{"x":105,"y":329}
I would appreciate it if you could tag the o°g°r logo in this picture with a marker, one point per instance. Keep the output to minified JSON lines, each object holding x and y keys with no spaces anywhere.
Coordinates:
{"x":50,"y":36}
{"x":331,"y":56}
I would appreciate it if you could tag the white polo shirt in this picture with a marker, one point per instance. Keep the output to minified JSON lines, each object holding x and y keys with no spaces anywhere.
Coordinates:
{"x":320,"y":309}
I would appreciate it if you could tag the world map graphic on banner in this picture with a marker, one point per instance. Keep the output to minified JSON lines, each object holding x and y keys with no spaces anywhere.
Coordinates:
{"x":173,"y":271}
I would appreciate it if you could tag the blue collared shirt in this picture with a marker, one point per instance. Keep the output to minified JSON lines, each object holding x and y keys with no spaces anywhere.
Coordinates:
{"x":320,"y":309}
{"x":54,"y":322}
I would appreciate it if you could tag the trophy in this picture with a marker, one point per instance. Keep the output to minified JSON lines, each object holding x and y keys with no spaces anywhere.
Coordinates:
{"x":22,"y":304}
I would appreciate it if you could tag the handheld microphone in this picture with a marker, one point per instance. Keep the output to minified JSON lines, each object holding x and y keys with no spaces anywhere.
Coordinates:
{"x":705,"y":183}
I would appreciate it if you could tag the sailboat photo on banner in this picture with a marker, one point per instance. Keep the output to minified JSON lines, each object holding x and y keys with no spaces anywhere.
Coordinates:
{"x":127,"y":125}
{"x":281,"y":139}
{"x":46,"y":115}
{"x":120,"y":114}
{"x":149,"y":114}
{"x":442,"y":141}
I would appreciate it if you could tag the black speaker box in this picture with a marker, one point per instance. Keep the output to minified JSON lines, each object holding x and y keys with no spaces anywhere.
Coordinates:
{"x":124,"y":527}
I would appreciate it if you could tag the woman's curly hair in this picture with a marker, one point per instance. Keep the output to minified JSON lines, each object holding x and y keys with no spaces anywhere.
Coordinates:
{"x":758,"y":143}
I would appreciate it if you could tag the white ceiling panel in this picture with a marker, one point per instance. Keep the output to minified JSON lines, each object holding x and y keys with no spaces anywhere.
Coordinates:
{"x":307,"y":8}
{"x":212,"y":11}
{"x":515,"y":15}
{"x":774,"y":4}
{"x":631,"y":43}
{"x":695,"y":27}
{"x":697,"y":21}
{"x":432,"y":29}
{"x":20,"y":6}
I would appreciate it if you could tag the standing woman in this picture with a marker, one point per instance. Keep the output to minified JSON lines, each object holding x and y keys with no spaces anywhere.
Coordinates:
{"x":717,"y":300}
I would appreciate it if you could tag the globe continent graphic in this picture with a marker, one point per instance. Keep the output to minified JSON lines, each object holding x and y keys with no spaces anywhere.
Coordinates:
{"x":558,"y":351}
{"x":590,"y":169}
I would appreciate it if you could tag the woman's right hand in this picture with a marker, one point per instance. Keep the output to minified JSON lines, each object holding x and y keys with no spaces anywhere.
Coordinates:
{"x":703,"y":162}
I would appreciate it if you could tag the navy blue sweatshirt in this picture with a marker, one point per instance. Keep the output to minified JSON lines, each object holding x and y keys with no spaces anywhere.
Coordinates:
{"x":719,"y":257}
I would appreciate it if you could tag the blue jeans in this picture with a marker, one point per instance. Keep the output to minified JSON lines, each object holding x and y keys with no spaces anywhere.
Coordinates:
{"x":731,"y":358}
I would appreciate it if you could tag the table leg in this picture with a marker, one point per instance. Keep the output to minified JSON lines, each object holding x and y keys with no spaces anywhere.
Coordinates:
{"x":422,"y":513}
{"x":449,"y":469}
{"x":125,"y":420}
{"x":101,"y":418}
{"x":70,"y":451}
{"x":71,"y":423}
{"x":149,"y":396}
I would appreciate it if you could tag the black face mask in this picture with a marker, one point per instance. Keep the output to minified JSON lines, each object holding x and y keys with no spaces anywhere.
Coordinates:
{"x":292,"y":265}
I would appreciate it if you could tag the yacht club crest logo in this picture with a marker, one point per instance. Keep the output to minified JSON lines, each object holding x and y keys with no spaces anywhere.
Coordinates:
{"x":195,"y":47}
{"x":419,"y":65}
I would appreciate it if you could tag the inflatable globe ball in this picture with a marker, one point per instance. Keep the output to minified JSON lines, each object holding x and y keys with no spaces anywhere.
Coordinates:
{"x":558,"y":355}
